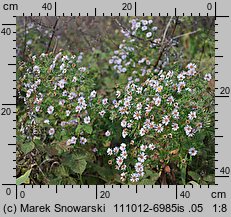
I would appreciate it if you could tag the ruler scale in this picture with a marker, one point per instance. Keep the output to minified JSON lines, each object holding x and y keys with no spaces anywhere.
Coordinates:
{"x":115,"y":200}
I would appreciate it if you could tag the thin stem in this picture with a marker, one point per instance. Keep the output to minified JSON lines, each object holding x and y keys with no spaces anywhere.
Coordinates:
{"x":52,"y":36}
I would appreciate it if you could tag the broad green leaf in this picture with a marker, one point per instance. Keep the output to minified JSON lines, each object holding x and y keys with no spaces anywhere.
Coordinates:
{"x":24,"y":178}
{"x":87,"y":128}
{"x":78,"y":129}
{"x":79,"y":166}
{"x":194,"y":175}
{"x":151,"y":181}
{"x":61,"y":171}
{"x":76,"y":163}
{"x":209,"y":178}
{"x":27,"y":147}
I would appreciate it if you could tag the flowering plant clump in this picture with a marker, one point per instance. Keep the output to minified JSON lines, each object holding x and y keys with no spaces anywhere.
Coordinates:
{"x":134,"y":55}
{"x":59,"y":99}
{"x":162,"y":112}
{"x":141,"y":114}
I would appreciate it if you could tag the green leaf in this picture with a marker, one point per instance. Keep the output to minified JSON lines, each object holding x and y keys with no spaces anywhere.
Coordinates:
{"x":78,"y":129}
{"x":209,"y":178}
{"x":194,"y":175}
{"x":150,"y":178}
{"x":183,"y":174}
{"x":61,"y":171}
{"x":76,"y":163}
{"x":104,"y":172}
{"x":27,"y":147}
{"x":79,"y":166}
{"x":87,"y":128}
{"x":24,"y":178}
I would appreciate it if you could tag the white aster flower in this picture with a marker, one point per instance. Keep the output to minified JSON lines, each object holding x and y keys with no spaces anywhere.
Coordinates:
{"x":104,"y":101}
{"x":93,"y":94}
{"x":28,"y":93}
{"x":142,"y":157}
{"x":118,"y":93}
{"x":134,"y":177}
{"x":61,"y":83}
{"x":191,"y":66}
{"x":83,"y":140}
{"x":159,"y":89}
{"x":139,"y":167}
{"x":124,"y":133}
{"x":37,"y":108}
{"x":192,"y":115}
{"x":123,"y":123}
{"x":107,"y":133}
{"x":51,"y":131}
{"x":78,"y":108}
{"x":192,"y":151}
{"x":123,"y":167}
{"x":122,"y":146}
{"x":175,"y":114}
{"x":159,"y":128}
{"x":62,"y":102}
{"x":175,"y":127}
{"x":143,"y":147}
{"x":181,"y":77}
{"x":165,"y":120}
{"x":74,"y":79}
{"x":144,"y":28}
{"x":142,"y":131}
{"x":188,"y":129}
{"x":50,"y":109}
{"x":123,"y":175}
{"x":139,"y":90}
{"x":102,"y":113}
{"x":119,"y":161}
{"x":82,"y":69}
{"x":36,"y":69}
{"x":81,"y":100}
{"x":73,"y":140}
{"x":151,"y":146}
{"x":115,"y":150}
{"x":46,"y":121}
{"x":144,"y":22}
{"x":208,"y":77}
{"x":64,"y":93}
{"x":170,"y":100}
{"x":137,"y":115}
{"x":139,"y":106}
{"x":68,"y":113}
{"x":149,"y":34}
{"x":157,"y":101}
{"x":109,"y":151}
{"x":124,"y":155}
{"x":87,"y":120}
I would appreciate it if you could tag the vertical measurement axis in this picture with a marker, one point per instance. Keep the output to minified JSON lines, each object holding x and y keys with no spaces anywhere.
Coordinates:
{"x":135,"y":8}
{"x":176,"y":192}
{"x":55,"y":9}
{"x":215,"y":12}
{"x":96,"y":192}
{"x":215,"y":105}
{"x":15,"y":96}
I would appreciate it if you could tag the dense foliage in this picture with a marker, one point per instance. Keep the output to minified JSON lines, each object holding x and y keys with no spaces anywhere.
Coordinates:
{"x":138,"y":111}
